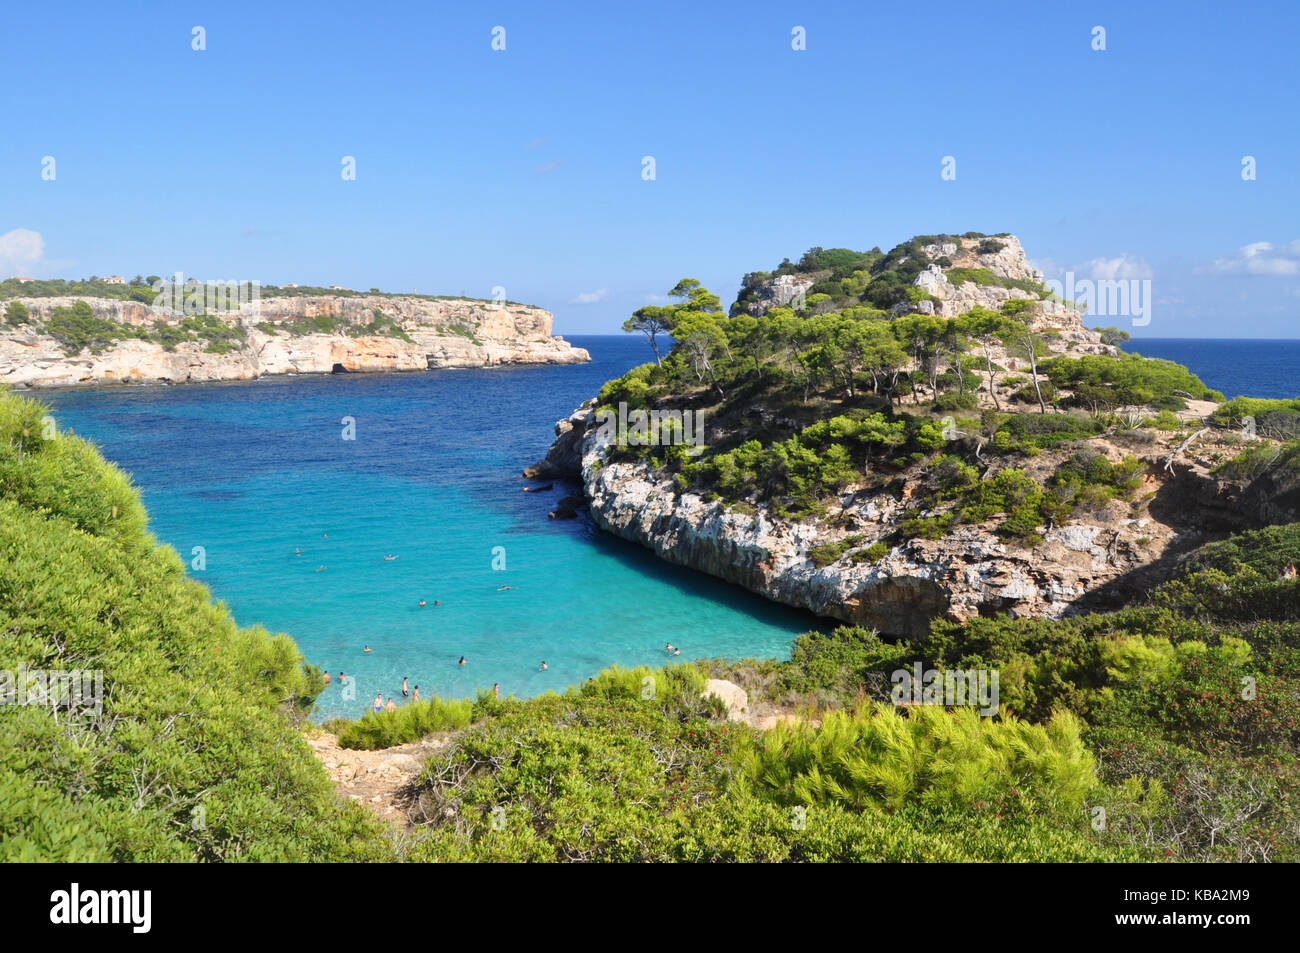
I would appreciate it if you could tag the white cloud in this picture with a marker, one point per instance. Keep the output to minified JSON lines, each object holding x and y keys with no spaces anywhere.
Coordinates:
{"x":1261,"y":258}
{"x":1047,"y":266}
{"x":549,"y":167}
{"x":20,"y":251}
{"x":1109,"y":269}
{"x":590,"y":297}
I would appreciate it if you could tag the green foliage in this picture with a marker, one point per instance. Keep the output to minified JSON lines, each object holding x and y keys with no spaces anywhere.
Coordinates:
{"x":1279,"y":419}
{"x":1113,"y":335}
{"x":16,"y":313}
{"x":76,"y":328}
{"x":384,"y":729}
{"x":1099,"y":381}
{"x":874,"y":758}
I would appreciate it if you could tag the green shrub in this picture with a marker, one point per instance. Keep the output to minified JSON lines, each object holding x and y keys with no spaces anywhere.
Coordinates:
{"x":411,"y":722}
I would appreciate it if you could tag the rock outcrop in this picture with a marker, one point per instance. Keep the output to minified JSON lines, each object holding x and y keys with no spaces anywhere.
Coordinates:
{"x":435,"y":333}
{"x":1106,"y":557}
{"x":780,"y":291}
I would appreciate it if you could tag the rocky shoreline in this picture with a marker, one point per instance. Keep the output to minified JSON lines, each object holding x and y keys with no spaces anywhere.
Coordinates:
{"x":1099,"y":562}
{"x":425,"y":334}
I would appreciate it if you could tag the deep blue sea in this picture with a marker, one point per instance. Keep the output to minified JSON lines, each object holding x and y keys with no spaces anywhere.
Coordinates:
{"x":254,"y":471}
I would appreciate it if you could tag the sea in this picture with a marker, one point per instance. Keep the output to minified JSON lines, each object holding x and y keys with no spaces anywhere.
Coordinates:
{"x":285,"y":496}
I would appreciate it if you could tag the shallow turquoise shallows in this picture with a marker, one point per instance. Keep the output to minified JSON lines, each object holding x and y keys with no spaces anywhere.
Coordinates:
{"x":253,"y":472}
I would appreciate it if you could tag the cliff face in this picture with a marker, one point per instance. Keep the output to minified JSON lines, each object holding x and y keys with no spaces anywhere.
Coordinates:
{"x":442,"y":333}
{"x":1102,"y":560}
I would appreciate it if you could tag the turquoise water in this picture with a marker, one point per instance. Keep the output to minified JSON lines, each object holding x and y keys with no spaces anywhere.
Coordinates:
{"x":253,"y":471}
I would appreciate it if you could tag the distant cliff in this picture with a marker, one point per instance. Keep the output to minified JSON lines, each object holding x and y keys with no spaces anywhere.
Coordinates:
{"x":51,"y":341}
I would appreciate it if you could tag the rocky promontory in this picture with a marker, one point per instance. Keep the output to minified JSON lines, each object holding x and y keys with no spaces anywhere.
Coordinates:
{"x":871,"y":555}
{"x":64,"y":341}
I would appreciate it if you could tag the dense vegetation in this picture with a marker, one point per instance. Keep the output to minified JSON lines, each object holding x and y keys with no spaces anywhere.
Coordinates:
{"x":195,"y":753}
{"x":801,"y":406}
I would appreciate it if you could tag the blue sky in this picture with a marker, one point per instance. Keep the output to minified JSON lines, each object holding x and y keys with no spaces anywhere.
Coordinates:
{"x":522,"y":168}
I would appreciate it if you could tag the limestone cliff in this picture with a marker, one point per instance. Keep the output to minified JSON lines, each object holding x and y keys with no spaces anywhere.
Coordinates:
{"x":278,"y":335}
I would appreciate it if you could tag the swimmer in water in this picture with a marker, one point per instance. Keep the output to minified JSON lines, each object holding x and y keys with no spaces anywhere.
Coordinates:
{"x":668,"y":649}
{"x":421,"y":603}
{"x":378,"y":705}
{"x":327,"y":678}
{"x":504,"y":588}
{"x":436,"y":602}
{"x":297,"y":552}
{"x":320,"y":568}
{"x":324,"y":535}
{"x":389,"y":559}
{"x":496,"y":689}
{"x":677,"y":651}
{"x":405,"y":693}
{"x":391,"y":706}
{"x":366,"y":650}
{"x":462,"y":661}
{"x":544,"y":667}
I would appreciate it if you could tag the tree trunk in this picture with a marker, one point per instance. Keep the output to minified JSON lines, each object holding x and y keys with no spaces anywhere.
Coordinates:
{"x":988,"y":360}
{"x":1033,"y":369}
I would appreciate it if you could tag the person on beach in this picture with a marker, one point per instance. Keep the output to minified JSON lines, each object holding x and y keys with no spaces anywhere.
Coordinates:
{"x":390,"y":706}
{"x":415,"y":697}
{"x":1288,"y":571}
{"x":462,"y":661}
{"x":405,"y":693}
{"x":379,"y":703}
{"x":496,"y":689}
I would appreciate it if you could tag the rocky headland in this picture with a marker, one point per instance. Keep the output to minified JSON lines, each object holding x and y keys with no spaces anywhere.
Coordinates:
{"x":111,"y":340}
{"x":858,"y":562}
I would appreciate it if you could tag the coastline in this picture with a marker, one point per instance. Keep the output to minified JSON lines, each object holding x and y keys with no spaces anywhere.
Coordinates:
{"x":76,"y":342}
